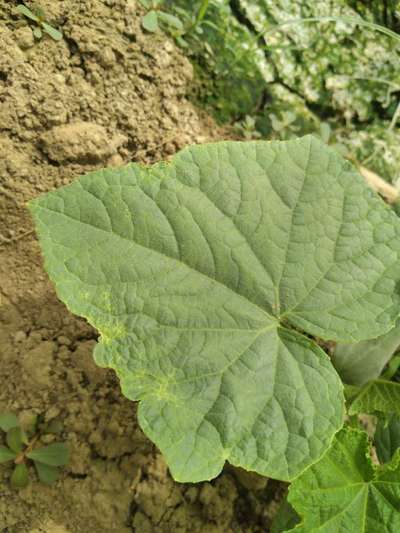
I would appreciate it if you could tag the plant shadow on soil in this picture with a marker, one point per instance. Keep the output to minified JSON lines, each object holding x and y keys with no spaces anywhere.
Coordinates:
{"x":105,"y":95}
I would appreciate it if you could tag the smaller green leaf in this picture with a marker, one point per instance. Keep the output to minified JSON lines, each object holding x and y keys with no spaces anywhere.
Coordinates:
{"x":181,"y":42}
{"x":15,"y":439}
{"x":37,"y":32}
{"x":23,"y":10}
{"x":47,"y":474}
{"x":6,"y":454}
{"x":8,"y":421}
{"x":145,"y":3}
{"x":56,"y":454}
{"x":380,"y":396}
{"x":20,"y":477}
{"x":54,"y":34}
{"x":361,"y":362}
{"x":170,"y":20}
{"x":325,"y":131}
{"x":387,"y":437}
{"x":150,"y":21}
{"x":39,"y":12}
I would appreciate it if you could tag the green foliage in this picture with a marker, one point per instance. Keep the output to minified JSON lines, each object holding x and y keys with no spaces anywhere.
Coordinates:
{"x":380,"y":396}
{"x":20,"y":476}
{"x":6,"y":454}
{"x":8,"y":421}
{"x":56,"y":454}
{"x":155,"y":18}
{"x":213,"y":39}
{"x":200,"y":272}
{"x":42,"y":26}
{"x":20,"y":449}
{"x":345,"y":491}
{"x":46,"y":473}
{"x":247,"y":128}
{"x":265,"y":59}
{"x":387,"y":437}
{"x":15,"y":439}
{"x":364,"y":361}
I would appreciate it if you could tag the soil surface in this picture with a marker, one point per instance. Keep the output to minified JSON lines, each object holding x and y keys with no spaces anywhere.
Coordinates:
{"x":107,"y":94}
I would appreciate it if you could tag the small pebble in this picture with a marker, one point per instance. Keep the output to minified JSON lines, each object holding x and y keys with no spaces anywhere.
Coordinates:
{"x":20,"y":336}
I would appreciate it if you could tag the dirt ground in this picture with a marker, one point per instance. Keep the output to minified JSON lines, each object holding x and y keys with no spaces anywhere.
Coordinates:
{"x":106,"y":94}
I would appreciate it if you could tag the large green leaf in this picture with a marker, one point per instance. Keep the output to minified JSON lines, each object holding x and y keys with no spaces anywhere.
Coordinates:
{"x":345,"y":492}
{"x":196,"y":270}
{"x":364,"y":361}
{"x":380,"y":395}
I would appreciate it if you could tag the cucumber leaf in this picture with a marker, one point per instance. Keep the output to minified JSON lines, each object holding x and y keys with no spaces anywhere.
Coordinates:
{"x":379,"y":396}
{"x":344,"y":491}
{"x":364,"y":361}
{"x":198,"y":274}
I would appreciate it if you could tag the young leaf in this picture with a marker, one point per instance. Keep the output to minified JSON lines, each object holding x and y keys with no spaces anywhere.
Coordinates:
{"x":15,"y":439}
{"x":198,"y":274}
{"x":377,"y":396}
{"x":150,"y":21}
{"x":6,"y":454}
{"x":364,"y":361}
{"x":387,"y":437}
{"x":344,"y":491}
{"x":37,"y":32}
{"x":19,"y":477}
{"x":8,"y":421}
{"x":47,"y":474}
{"x":23,"y":10}
{"x":145,"y":3}
{"x":56,"y":454}
{"x":170,"y":20}
{"x":54,"y":34}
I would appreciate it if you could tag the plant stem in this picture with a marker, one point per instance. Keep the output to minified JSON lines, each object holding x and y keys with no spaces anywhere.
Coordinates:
{"x":200,"y":13}
{"x":21,"y":457}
